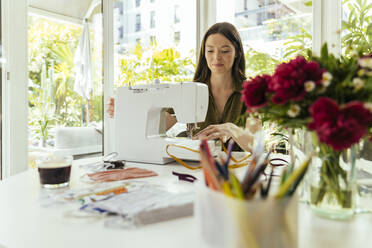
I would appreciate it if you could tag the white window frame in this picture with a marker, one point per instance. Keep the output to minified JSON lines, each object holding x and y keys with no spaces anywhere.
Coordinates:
{"x":327,"y":25}
{"x":206,"y":17}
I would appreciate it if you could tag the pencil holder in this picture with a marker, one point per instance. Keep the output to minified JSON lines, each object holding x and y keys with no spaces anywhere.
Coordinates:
{"x":229,"y":222}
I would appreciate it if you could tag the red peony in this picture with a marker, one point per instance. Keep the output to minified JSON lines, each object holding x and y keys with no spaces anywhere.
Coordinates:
{"x":313,"y":72}
{"x":339,"y":127}
{"x":288,"y":81}
{"x":254,"y":92}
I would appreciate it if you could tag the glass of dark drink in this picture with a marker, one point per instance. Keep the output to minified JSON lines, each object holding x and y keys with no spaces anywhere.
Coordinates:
{"x":54,"y":171}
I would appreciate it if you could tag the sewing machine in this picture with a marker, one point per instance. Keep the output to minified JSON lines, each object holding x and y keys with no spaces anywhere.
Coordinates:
{"x":140,"y":118}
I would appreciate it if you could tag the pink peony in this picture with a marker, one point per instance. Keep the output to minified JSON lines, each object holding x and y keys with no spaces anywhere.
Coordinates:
{"x":339,"y":127}
{"x":254,"y":92}
{"x":288,"y":81}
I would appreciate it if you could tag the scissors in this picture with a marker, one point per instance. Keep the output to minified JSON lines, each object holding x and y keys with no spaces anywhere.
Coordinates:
{"x":107,"y":163}
{"x":113,"y":164}
{"x":185,"y":177}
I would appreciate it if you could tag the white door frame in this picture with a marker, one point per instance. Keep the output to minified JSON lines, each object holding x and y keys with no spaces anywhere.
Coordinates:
{"x":108,"y":73}
{"x":14,"y":86}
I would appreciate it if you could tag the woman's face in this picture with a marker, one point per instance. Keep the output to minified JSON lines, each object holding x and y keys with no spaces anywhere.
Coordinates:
{"x":219,"y":53}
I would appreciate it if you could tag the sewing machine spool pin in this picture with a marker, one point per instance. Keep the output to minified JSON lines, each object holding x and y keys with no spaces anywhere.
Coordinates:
{"x":190,"y":129}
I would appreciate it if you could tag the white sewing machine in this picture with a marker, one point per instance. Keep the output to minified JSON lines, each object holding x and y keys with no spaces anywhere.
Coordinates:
{"x":140,"y":123}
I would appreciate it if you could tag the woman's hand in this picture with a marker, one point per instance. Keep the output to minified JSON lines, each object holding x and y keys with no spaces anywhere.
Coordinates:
{"x":221,"y":131}
{"x":253,"y":124}
{"x":110,"y":107}
{"x":244,"y":137}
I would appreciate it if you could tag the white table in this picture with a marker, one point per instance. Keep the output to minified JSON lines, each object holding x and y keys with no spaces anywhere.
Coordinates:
{"x":24,"y":223}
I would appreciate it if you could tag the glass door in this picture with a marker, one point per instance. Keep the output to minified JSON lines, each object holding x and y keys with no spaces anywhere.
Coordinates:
{"x":65,"y":84}
{"x":1,"y":95}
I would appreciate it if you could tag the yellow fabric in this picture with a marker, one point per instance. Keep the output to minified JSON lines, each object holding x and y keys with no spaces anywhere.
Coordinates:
{"x":237,"y":163}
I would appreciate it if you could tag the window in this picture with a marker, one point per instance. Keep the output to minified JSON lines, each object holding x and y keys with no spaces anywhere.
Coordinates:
{"x":120,"y":7}
{"x":138,"y":22}
{"x":176,"y":14}
{"x":356,"y":27}
{"x":138,"y":3}
{"x":152,"y":19}
{"x":121,"y":32}
{"x":272,"y":31}
{"x":177,"y":37}
{"x":152,"y":40}
{"x":158,"y":51}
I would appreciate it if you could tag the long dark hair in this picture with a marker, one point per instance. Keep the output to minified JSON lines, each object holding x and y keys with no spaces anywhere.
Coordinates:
{"x":203,"y":73}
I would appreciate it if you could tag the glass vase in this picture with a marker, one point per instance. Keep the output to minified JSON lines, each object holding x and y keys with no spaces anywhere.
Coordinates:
{"x":331,"y":179}
{"x":364,"y":177}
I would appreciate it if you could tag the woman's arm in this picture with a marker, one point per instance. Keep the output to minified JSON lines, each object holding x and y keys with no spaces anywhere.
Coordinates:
{"x":110,"y":107}
{"x":170,"y":120}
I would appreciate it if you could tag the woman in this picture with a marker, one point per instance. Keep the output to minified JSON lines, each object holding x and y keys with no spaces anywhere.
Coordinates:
{"x":221,"y":66}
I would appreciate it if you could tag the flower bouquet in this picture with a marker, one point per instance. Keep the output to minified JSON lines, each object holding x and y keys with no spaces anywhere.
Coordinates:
{"x":331,"y":98}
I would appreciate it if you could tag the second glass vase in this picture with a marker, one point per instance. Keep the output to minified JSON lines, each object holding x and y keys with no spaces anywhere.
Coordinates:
{"x":331,"y":180}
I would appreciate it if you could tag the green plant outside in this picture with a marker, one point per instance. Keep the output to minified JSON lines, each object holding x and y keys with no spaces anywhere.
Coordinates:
{"x":145,"y":64}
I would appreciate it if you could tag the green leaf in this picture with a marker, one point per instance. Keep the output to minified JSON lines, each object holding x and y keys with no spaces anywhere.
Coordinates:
{"x":324,"y":52}
{"x":369,"y":29}
{"x":309,"y":3}
{"x":345,"y":25}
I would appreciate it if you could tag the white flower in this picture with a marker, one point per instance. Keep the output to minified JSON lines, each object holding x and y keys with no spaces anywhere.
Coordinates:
{"x":358,"y":83}
{"x":353,"y":50}
{"x":368,"y":105}
{"x":294,"y":110}
{"x":326,"y":83}
{"x":361,"y":72}
{"x":326,"y":80}
{"x":365,"y":62}
{"x":309,"y":86}
{"x":353,"y":53}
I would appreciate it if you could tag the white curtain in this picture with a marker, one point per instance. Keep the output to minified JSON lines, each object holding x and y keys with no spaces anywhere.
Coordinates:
{"x":83,"y":65}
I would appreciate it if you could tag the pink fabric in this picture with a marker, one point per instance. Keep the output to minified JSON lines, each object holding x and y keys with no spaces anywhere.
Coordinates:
{"x":121,"y":174}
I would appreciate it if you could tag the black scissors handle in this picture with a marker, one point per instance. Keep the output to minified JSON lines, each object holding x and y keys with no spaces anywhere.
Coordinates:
{"x":276,"y":162}
{"x":184,"y":177}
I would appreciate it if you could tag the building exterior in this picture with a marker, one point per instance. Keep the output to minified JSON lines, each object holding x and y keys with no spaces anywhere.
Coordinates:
{"x":166,"y":23}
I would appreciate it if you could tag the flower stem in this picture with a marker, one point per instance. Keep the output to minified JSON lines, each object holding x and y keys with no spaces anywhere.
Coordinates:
{"x":333,"y":178}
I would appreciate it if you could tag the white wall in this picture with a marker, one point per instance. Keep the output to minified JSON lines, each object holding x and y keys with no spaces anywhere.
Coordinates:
{"x":14,"y":21}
